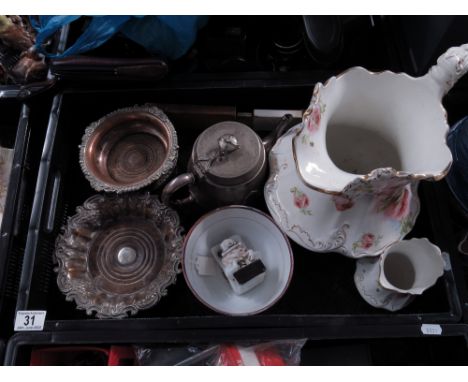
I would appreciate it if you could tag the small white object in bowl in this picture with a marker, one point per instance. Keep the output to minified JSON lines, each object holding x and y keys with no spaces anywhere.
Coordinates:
{"x":234,"y":258}
{"x":257,"y":231}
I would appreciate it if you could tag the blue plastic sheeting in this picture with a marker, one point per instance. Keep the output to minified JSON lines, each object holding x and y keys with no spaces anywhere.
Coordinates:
{"x":169,"y":36}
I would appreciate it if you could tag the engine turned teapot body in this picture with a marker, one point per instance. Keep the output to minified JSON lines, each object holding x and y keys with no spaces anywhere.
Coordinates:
{"x":228,"y":165}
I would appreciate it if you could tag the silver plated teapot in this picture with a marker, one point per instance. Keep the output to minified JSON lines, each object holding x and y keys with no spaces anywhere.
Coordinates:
{"x":228,"y":165}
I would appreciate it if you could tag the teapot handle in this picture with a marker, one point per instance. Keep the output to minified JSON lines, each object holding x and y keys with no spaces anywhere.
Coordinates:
{"x":175,"y":184}
{"x":270,"y":140}
{"x":450,"y":67}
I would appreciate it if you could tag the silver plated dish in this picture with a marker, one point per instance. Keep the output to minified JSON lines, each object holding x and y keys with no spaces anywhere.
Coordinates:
{"x":129,"y":149}
{"x":119,"y":254}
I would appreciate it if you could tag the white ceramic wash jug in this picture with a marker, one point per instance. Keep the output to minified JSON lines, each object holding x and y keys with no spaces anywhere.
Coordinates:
{"x":345,"y":179}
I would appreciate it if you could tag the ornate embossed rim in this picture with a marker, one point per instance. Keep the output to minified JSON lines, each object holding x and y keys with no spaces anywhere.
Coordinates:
{"x":84,"y":292}
{"x":270,"y":188}
{"x":204,"y":302}
{"x":158,"y":177}
{"x":365,"y":177}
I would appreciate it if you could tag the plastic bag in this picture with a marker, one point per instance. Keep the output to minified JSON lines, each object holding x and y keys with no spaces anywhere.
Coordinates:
{"x":170,"y":36}
{"x":273,"y":353}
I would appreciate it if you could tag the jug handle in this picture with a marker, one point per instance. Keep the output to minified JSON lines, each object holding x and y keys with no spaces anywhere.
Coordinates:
{"x":270,"y":139}
{"x":176,"y":184}
{"x":450,"y":67}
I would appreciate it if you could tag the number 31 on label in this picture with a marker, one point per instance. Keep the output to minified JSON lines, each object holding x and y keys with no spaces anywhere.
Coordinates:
{"x":30,"y":320}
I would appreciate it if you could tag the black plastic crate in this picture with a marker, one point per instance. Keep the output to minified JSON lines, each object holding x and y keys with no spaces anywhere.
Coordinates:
{"x":239,"y":44}
{"x":403,"y":351}
{"x":370,"y":345}
{"x":322,"y":290}
{"x":454,"y":231}
{"x":23,"y":129}
{"x":2,"y":350}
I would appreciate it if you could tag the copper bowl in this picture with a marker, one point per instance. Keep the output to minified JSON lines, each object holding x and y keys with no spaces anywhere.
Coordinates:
{"x":129,"y":149}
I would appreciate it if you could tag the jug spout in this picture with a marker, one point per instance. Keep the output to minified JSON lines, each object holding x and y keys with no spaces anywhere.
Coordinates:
{"x":411,"y":266}
{"x":450,"y":67}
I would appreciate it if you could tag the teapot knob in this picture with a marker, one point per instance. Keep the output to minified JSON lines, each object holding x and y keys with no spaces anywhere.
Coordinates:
{"x":227,"y":144}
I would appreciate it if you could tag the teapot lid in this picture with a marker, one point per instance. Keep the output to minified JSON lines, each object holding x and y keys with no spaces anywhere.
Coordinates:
{"x":228,"y":153}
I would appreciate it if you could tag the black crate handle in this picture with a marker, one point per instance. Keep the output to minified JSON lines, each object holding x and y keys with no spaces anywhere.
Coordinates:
{"x":52,"y":210}
{"x":18,"y":161}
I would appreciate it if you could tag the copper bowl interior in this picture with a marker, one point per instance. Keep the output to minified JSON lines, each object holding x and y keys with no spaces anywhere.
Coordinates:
{"x":127,"y":148}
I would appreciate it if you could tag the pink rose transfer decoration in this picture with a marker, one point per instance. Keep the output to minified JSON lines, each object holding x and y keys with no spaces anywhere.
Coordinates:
{"x":367,"y":240}
{"x":313,"y":120}
{"x":399,"y":209}
{"x":394,"y":202}
{"x":342,"y":202}
{"x":301,"y":200}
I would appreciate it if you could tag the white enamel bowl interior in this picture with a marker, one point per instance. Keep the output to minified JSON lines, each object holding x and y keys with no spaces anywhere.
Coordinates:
{"x":259,"y":233}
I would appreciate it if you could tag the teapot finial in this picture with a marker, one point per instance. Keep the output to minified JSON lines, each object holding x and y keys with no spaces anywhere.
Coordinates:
{"x":227,"y":144}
